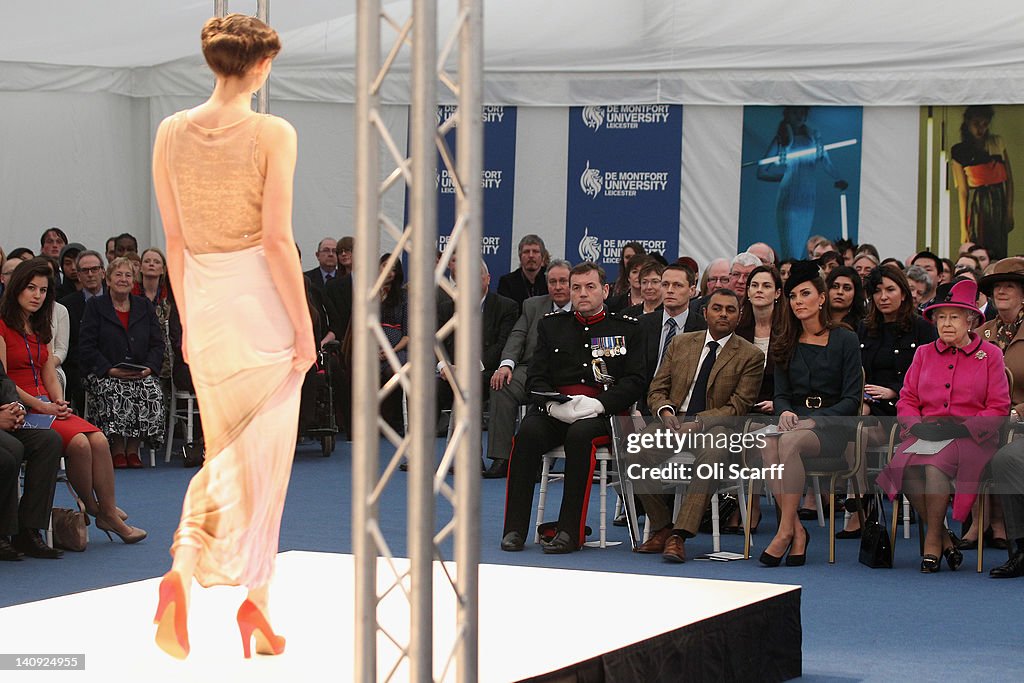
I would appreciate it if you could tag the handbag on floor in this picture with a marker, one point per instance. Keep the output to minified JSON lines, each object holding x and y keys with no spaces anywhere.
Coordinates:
{"x":875,"y":546}
{"x":69,"y":526}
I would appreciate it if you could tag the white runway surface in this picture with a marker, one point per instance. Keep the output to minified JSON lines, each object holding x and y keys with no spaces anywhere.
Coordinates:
{"x":532,"y":621}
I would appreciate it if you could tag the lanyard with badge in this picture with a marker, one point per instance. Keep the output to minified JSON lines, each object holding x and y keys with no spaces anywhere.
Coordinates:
{"x":32,"y":364}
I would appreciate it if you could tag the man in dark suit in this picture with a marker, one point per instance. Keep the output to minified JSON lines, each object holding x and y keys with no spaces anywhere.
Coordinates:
{"x":89,"y":266}
{"x":568,"y":346}
{"x":40,"y":450}
{"x":718,"y":278}
{"x":660,"y":327}
{"x":499,"y":317}
{"x":508,"y":383}
{"x":327,"y":270}
{"x":528,"y":279}
{"x":707,"y":379}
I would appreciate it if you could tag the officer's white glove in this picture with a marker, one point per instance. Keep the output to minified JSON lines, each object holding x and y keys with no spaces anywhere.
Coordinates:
{"x":561,"y":411}
{"x":587,"y":407}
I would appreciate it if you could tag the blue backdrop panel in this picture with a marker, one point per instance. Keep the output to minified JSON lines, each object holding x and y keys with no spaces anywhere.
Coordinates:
{"x":800,"y":165}
{"x":623,"y":181}
{"x":498,"y":183}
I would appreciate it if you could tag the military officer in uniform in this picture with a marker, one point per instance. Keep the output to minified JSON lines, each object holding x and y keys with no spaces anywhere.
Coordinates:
{"x":562,"y":365}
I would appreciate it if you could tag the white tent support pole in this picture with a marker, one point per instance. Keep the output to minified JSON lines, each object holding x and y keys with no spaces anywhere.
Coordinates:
{"x":929,"y":172}
{"x":220,"y":8}
{"x":422,"y":326}
{"x":469,"y":208}
{"x":365,"y":363}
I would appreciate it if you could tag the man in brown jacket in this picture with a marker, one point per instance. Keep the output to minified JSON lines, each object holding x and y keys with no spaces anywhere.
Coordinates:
{"x":706,"y":381}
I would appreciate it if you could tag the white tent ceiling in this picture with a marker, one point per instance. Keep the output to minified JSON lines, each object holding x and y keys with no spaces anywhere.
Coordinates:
{"x":559,"y":52}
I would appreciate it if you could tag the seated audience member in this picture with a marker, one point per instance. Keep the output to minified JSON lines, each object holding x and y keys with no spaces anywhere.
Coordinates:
{"x":156,"y":288}
{"x":659,"y":329}
{"x":508,"y":383}
{"x":867,"y":248}
{"x":67,"y":260}
{"x":932,"y":265}
{"x":688,"y":395}
{"x":499,"y":316}
{"x":629,"y":250}
{"x":394,"y":319}
{"x":763,"y":252}
{"x":863,"y":264}
{"x":125,"y":244}
{"x":135,"y":261}
{"x":569,"y":346}
{"x":39,"y":449}
{"x":784,"y":269}
{"x":845,"y":296}
{"x":739,"y":270}
{"x":718,"y":276}
{"x":650,"y":290}
{"x":1005,"y":291}
{"x":983,"y":255}
{"x":847,"y":250}
{"x":110,"y":250}
{"x":51,"y":242}
{"x":922,"y":286}
{"x":958,"y":376}
{"x":528,"y":279}
{"x":327,"y":268}
{"x":89,"y":266}
{"x":634,"y":297}
{"x":23,"y":253}
{"x":121,"y":352}
{"x":817,"y":377}
{"x":966,"y":261}
{"x":25,"y":314}
{"x":345,"y":245}
{"x":821,"y":248}
{"x":828,"y":261}
{"x":812,"y":243}
{"x":947,"y":271}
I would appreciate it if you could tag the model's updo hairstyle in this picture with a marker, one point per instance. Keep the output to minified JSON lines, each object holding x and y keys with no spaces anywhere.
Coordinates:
{"x":234,"y":44}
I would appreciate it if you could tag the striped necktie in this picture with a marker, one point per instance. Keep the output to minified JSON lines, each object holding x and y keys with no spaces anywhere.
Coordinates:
{"x":669,"y":333}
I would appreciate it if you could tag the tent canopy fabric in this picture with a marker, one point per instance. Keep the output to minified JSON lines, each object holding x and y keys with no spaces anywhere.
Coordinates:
{"x":569,"y":52}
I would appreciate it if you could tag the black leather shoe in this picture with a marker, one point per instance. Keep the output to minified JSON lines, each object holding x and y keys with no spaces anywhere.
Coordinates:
{"x":1013,"y":567}
{"x":954,"y":558}
{"x":31,"y":543}
{"x":807,"y":514}
{"x":497,"y":470}
{"x":8,"y":553}
{"x":512,"y":542}
{"x":560,"y":544}
{"x":620,"y":520}
{"x":848,"y":534}
{"x":801,"y":559}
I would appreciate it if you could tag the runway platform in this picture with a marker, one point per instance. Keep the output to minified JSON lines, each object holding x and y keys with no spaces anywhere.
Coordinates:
{"x":535,"y":624}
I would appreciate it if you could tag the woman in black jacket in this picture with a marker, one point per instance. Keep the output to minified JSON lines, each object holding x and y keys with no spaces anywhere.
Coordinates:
{"x":121,"y":347}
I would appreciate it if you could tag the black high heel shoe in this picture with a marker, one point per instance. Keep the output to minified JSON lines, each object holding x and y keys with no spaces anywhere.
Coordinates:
{"x":801,"y":559}
{"x":772,"y":561}
{"x":954,"y":558}
{"x":930,"y":565}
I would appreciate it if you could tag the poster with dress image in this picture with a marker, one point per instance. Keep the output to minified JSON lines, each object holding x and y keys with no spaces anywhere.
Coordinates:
{"x":800,"y":176}
{"x":966,"y":181}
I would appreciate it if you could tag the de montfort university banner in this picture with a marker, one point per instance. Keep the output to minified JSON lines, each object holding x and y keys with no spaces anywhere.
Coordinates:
{"x":623,"y":182}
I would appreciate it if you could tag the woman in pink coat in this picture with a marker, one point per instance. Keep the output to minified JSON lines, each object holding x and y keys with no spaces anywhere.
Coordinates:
{"x":958,"y":376}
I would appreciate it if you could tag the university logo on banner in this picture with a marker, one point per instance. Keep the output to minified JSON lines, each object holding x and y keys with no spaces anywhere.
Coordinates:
{"x":623,"y":181}
{"x":497,"y":180}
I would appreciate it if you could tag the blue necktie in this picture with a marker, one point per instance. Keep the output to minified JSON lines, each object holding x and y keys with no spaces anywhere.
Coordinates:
{"x":671,"y":332}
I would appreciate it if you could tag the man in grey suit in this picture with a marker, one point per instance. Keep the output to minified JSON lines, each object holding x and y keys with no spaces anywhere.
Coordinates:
{"x":508,"y":383}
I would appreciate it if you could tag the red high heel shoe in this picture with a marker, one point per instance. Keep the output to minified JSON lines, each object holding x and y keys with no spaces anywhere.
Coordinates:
{"x":171,"y":617}
{"x":252,"y":622}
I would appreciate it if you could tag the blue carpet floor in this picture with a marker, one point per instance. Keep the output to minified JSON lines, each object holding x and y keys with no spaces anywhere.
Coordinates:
{"x":858,"y":623}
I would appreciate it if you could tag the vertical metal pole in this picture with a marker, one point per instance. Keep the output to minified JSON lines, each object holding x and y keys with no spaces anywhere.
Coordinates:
{"x":365,"y":442}
{"x":467,"y":482}
{"x":263,"y":95}
{"x":422,"y":418}
{"x":220,"y":8}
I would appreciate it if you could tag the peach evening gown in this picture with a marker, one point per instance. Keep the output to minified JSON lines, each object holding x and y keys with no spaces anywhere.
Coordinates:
{"x":240,"y":343}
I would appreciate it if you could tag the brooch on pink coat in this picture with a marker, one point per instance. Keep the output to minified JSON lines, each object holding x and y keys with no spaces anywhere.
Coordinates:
{"x":981,"y":355}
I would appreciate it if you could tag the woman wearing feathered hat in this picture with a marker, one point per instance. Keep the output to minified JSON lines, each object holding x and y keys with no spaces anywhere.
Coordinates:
{"x":817,"y":378}
{"x":960,"y":375}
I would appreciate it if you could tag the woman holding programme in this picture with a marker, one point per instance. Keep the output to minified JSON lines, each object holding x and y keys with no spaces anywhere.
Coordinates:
{"x":223,"y":181}
{"x":958,"y":376}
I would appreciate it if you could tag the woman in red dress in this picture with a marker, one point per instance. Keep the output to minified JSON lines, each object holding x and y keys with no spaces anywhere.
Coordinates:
{"x":25,"y":334}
